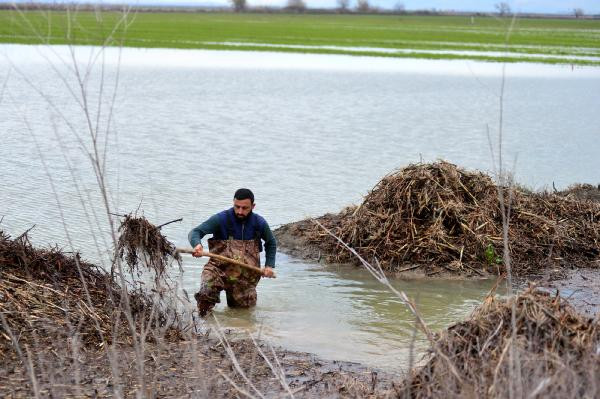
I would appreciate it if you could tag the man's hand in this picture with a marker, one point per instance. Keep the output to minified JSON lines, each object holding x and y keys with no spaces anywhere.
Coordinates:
{"x":198,"y":249}
{"x":268,"y":272}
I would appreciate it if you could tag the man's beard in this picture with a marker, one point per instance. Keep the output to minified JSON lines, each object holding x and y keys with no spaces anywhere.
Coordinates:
{"x":243,"y":218}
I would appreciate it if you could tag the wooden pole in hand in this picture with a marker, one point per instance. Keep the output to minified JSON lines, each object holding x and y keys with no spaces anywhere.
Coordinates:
{"x":223,"y":259}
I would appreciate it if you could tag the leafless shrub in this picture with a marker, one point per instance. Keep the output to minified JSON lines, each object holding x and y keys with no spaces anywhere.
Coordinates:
{"x":503,"y":8}
{"x":239,"y":5}
{"x":363,"y":6}
{"x":343,"y":5}
{"x":399,"y":7}
{"x":296,"y":5}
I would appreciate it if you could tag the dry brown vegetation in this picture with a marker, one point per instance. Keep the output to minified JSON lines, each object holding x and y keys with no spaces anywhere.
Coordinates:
{"x":441,"y":217}
{"x":47,"y":296}
{"x":582,"y":192}
{"x":64,"y":323}
{"x":555,"y":353}
{"x":141,"y":240}
{"x":67,"y":330}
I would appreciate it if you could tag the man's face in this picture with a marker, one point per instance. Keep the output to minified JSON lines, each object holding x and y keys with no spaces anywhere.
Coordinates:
{"x":242,"y":208}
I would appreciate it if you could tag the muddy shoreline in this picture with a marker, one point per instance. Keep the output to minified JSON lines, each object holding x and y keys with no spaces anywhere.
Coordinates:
{"x":191,"y":369}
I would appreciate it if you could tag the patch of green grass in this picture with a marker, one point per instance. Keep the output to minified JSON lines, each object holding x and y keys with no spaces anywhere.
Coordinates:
{"x":529,"y":37}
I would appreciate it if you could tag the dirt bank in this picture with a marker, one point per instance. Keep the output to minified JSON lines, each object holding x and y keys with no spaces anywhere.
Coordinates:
{"x":199,"y":368}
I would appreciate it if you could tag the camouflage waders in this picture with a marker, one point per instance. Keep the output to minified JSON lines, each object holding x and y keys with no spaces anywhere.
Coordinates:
{"x":239,"y":283}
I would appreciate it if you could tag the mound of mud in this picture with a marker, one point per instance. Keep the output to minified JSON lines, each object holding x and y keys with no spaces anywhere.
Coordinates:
{"x":441,"y":217}
{"x":46,"y":296}
{"x":552,"y":351}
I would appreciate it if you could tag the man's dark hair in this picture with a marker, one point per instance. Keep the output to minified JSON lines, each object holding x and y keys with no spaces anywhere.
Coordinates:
{"x":244,"y":193}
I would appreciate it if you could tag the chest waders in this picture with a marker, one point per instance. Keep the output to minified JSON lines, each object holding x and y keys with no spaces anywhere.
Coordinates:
{"x":239,"y":283}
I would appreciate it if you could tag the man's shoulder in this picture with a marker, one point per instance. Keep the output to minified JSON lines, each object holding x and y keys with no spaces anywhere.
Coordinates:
{"x":260,"y":220}
{"x":218,"y":217}
{"x":222,"y":213}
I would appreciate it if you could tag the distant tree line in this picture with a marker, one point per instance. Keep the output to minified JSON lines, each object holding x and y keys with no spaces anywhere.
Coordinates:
{"x":297,"y":6}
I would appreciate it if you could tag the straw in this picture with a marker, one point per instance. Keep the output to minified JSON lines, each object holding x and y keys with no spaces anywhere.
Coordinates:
{"x":440,"y":217}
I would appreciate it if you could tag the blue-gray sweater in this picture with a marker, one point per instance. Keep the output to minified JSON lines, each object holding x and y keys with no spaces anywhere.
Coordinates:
{"x":223,"y":223}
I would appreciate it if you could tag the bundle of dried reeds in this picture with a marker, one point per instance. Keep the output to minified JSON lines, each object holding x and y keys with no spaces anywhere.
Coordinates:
{"x":438,"y":216}
{"x":139,"y":239}
{"x":549,"y":347}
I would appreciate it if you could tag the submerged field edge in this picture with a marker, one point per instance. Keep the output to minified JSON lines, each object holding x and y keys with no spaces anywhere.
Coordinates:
{"x":415,"y":54}
{"x":354,"y":45}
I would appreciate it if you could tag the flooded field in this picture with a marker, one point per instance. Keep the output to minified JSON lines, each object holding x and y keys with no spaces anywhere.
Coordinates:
{"x":309,"y":135}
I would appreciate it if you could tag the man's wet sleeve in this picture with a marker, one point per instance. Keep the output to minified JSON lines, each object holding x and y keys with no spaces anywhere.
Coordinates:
{"x":208,"y":227}
{"x":270,"y":246}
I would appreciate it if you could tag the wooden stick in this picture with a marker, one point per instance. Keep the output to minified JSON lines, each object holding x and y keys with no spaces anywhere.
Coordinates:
{"x":224,"y":259}
{"x":172,"y":221}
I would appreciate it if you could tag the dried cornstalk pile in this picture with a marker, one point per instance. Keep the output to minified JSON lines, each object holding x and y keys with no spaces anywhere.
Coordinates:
{"x":440,"y":216}
{"x":141,"y":240}
{"x":43,"y":297}
{"x":554,"y":351}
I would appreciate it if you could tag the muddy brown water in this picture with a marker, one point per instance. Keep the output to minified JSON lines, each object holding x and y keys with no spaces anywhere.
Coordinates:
{"x":309,"y":134}
{"x":341,"y":312}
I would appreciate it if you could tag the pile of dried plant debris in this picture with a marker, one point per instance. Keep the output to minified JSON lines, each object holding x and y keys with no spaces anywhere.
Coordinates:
{"x":45,"y":295}
{"x":546,"y":350}
{"x":141,"y":240}
{"x":582,"y":192}
{"x":439,"y":217}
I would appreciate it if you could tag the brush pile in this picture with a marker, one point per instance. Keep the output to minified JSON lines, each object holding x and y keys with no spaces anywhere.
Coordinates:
{"x":440,"y":217}
{"x":141,"y":240}
{"x":47,"y":296}
{"x":585,"y":192}
{"x":552,"y":350}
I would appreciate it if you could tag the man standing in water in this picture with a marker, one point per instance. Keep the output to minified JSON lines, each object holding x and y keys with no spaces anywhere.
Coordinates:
{"x":237,"y":233}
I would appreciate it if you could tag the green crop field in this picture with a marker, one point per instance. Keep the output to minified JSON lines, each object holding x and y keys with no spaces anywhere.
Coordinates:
{"x":481,"y":38}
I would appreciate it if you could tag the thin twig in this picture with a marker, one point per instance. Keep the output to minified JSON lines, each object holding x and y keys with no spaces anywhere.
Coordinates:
{"x":172,"y":221}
